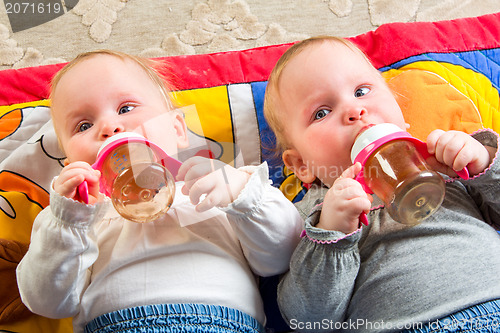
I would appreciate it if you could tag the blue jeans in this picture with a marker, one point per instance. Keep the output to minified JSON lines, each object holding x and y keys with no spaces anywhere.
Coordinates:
{"x":173,"y":318}
{"x":481,"y":318}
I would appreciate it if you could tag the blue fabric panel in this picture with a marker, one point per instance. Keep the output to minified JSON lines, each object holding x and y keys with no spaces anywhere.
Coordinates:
{"x":485,"y":62}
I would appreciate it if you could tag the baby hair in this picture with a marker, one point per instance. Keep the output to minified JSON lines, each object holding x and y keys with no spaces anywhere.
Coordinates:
{"x":154,"y":69}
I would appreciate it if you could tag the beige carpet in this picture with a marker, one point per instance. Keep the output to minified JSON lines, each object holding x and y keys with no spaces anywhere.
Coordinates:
{"x":36,"y":32}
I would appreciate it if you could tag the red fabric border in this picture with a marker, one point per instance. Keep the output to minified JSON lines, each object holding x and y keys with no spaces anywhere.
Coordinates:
{"x":397,"y":41}
{"x":387,"y":44}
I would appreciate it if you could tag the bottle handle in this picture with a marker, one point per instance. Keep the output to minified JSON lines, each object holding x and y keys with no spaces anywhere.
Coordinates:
{"x":464,"y":173}
{"x":363,"y":219}
{"x":422,"y":149}
{"x":83,"y":192}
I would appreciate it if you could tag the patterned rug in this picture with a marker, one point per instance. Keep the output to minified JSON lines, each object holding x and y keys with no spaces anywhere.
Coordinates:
{"x":51,"y":31}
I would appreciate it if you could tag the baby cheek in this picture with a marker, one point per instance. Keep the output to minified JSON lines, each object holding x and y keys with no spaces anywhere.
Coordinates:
{"x":331,"y":162}
{"x":80,"y":152}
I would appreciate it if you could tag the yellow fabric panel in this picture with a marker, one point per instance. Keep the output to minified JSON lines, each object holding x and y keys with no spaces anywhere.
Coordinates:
{"x":26,"y":200}
{"x":472,"y":85}
{"x":11,"y":116}
{"x":38,"y":324}
{"x":18,"y":227}
{"x":208,"y":114}
{"x":429,"y":102}
{"x":291,"y":186}
{"x":7,"y":108}
{"x":212,"y":110}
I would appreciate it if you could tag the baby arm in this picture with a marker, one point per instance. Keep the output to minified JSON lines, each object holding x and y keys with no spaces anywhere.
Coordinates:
{"x":344,"y":202}
{"x":55,"y":270}
{"x":323,"y":270}
{"x":266,"y":223}
{"x":454,"y":150}
{"x":484,"y":188}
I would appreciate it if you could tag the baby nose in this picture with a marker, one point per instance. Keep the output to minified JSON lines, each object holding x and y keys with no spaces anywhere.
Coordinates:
{"x":355,"y":113}
{"x":109,"y":130}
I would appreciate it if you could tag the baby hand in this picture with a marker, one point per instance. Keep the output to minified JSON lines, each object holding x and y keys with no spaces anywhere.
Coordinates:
{"x":73,"y":175}
{"x":455,"y":150}
{"x":220,"y":182}
{"x":344,"y":202}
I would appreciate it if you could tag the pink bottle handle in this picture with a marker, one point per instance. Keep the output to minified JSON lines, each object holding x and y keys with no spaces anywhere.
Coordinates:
{"x":83,"y":192}
{"x":422,"y":149}
{"x":464,"y":173}
{"x":363,"y":218}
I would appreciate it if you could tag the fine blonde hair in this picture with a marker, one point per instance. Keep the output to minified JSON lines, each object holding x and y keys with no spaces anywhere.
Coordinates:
{"x":159,"y":72}
{"x":272,"y":96}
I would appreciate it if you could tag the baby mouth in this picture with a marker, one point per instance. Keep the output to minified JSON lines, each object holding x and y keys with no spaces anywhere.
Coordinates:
{"x":364,"y":128}
{"x":361,"y":131}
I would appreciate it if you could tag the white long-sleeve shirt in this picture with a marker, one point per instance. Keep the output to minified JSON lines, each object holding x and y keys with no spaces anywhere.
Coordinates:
{"x":85,"y":261}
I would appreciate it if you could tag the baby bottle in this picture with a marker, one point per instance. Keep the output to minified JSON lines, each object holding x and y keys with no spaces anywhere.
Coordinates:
{"x":395,"y":170}
{"x":135,"y":175}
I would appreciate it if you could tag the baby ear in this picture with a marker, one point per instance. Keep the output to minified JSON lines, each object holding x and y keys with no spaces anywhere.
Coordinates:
{"x":181,"y":130}
{"x":293,"y":160}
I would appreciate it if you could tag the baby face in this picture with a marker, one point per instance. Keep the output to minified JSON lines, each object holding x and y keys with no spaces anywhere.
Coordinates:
{"x":104,"y":95}
{"x":329,"y":93}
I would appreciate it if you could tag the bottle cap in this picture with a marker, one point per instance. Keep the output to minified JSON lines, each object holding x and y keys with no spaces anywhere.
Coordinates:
{"x":114,"y":141}
{"x":372,"y":138}
{"x":120,"y":136}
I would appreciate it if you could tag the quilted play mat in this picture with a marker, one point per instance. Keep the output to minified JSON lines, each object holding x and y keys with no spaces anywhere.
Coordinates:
{"x":446,"y":75}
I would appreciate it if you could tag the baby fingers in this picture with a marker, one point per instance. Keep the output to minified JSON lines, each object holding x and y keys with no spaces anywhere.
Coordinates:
{"x":454,"y":149}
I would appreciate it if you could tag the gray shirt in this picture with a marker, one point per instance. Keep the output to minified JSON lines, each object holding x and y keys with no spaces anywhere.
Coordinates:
{"x":388,"y":276}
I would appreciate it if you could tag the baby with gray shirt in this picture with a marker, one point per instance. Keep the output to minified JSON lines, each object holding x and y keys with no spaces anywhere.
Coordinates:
{"x":440,"y":275}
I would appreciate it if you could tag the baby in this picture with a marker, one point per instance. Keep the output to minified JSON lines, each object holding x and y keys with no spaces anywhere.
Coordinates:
{"x":385,"y":276}
{"x":195,"y":267}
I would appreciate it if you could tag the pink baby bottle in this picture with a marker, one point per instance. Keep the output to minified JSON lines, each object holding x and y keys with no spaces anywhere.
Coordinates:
{"x":137,"y":175}
{"x":395,"y":169}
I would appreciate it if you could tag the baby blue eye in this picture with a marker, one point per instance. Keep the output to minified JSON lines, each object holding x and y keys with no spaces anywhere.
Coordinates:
{"x":321,"y":114}
{"x":125,"y":109}
{"x":84,"y":126}
{"x":361,"y":91}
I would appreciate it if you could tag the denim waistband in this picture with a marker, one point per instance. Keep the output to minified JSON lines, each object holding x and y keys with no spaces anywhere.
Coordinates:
{"x":480,"y":318}
{"x":184,"y":318}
